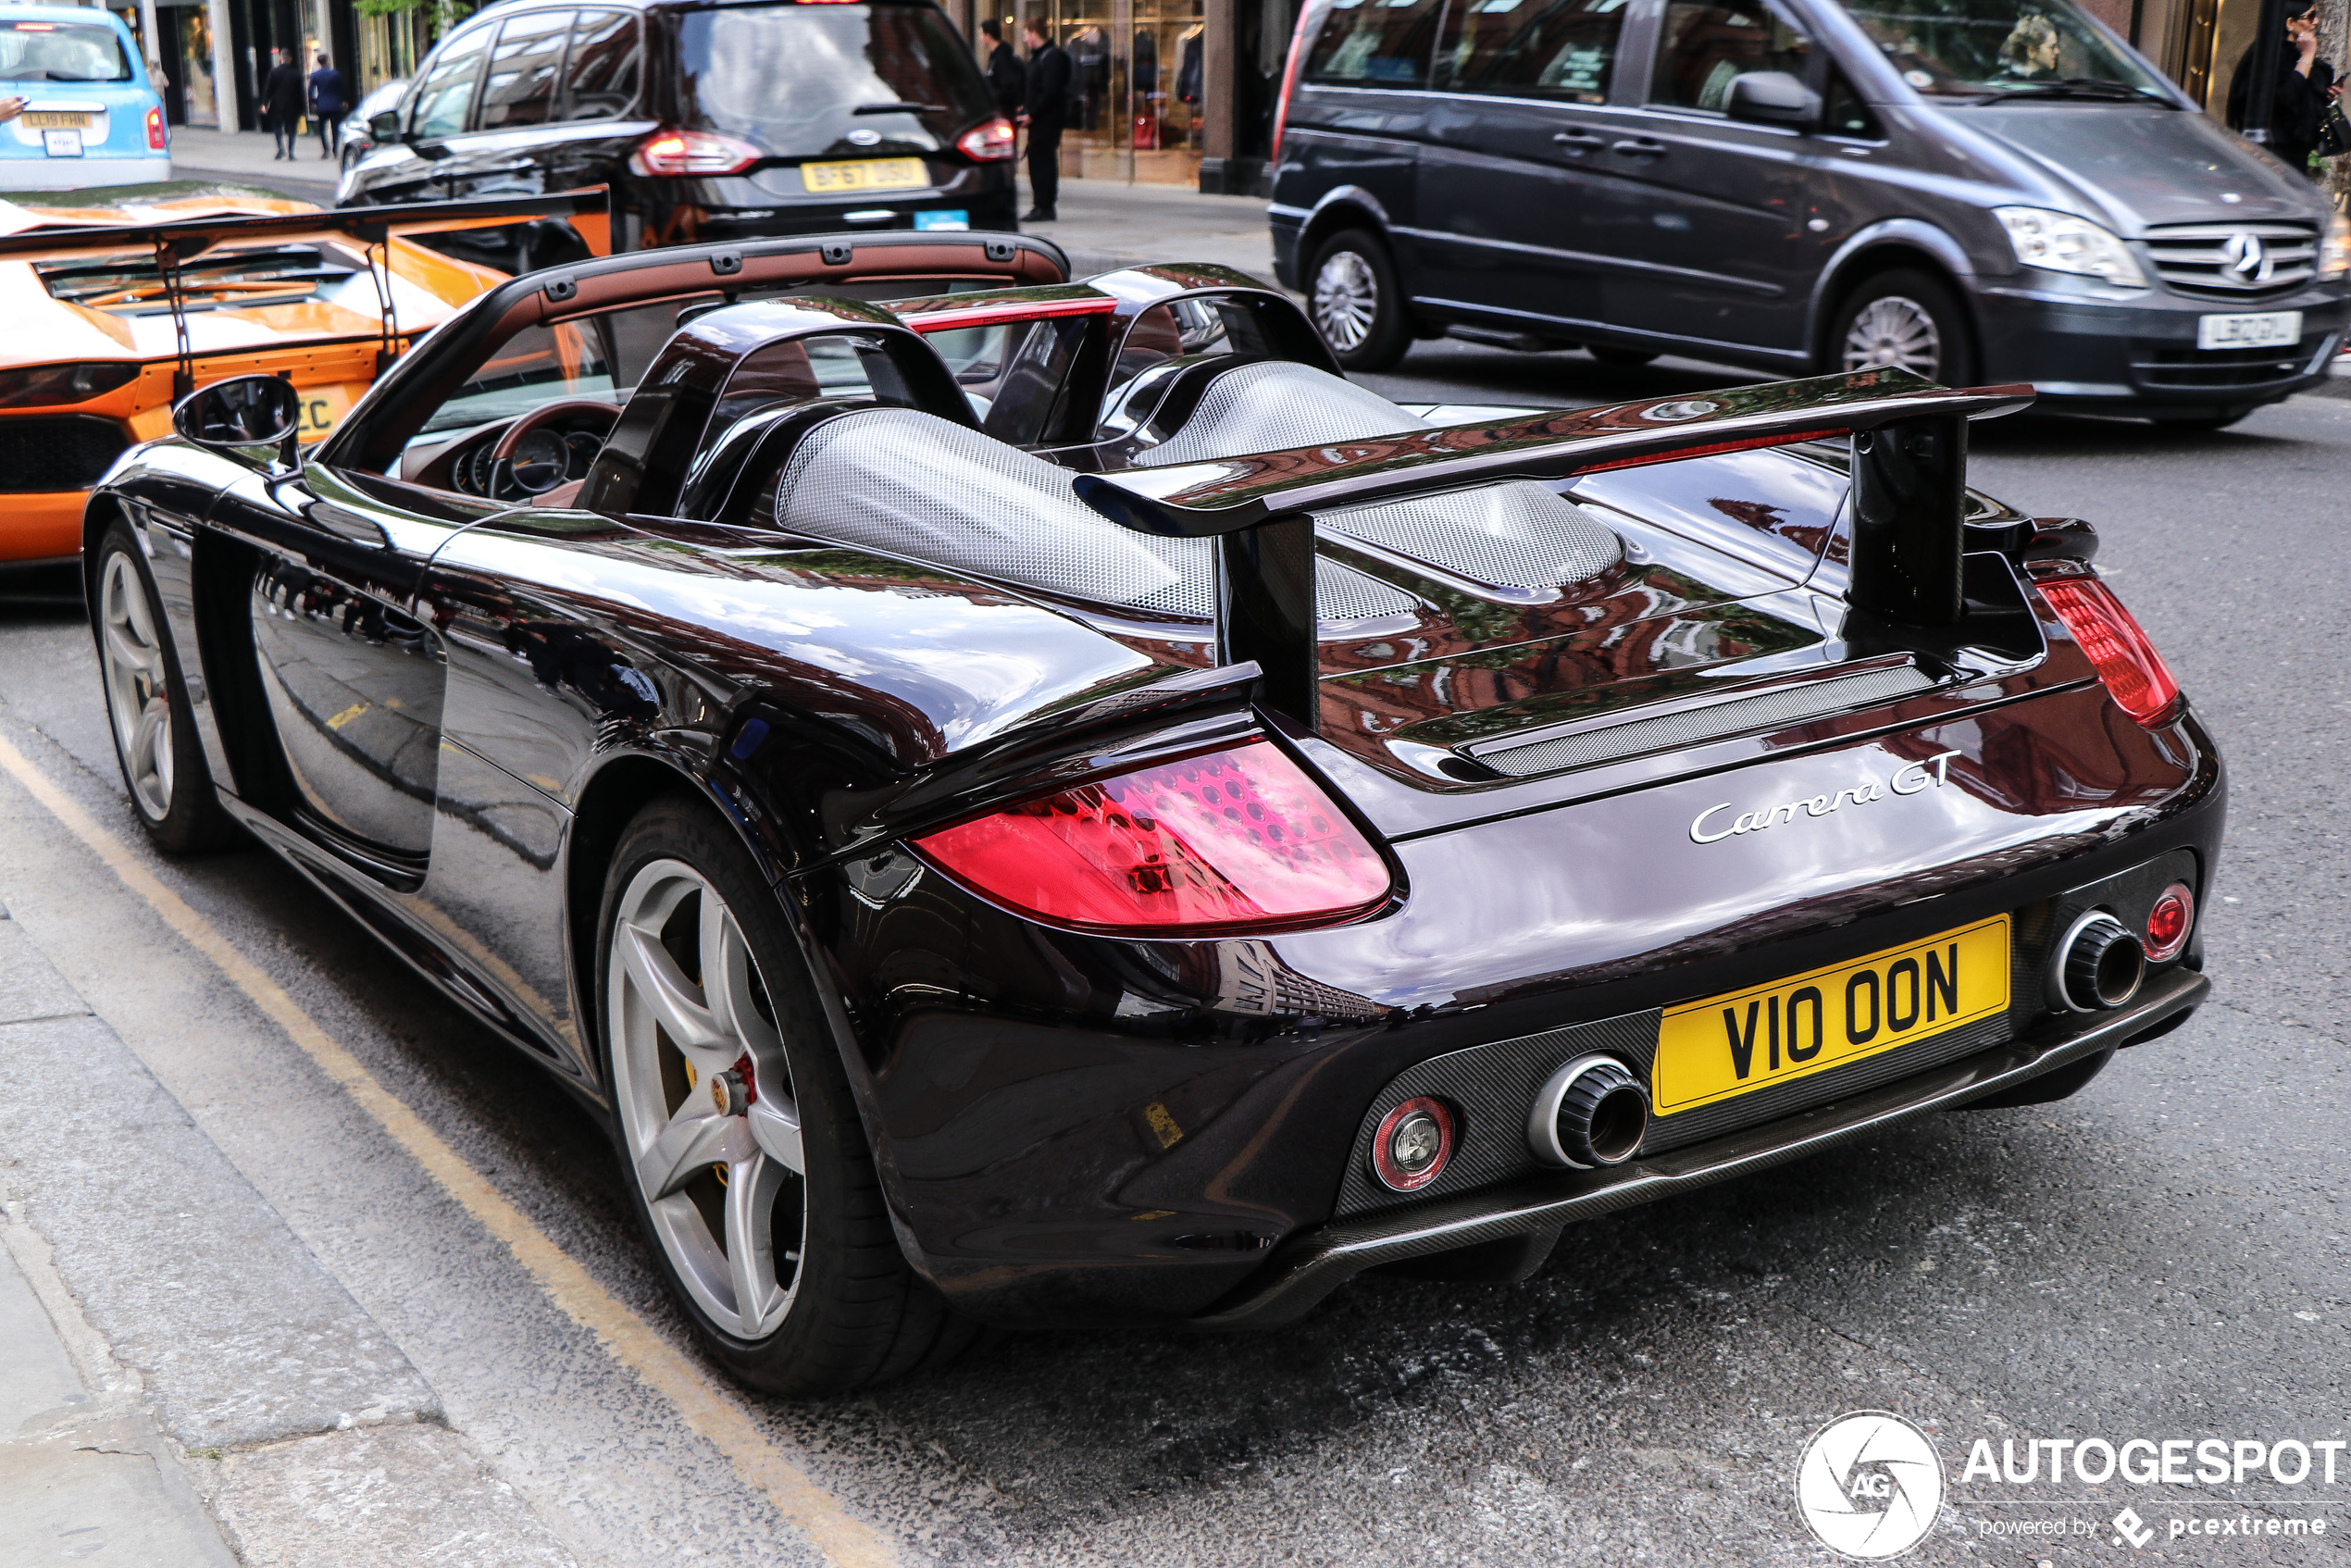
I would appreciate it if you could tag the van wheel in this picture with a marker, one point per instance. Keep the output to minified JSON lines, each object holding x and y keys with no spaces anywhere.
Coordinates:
{"x":1356,"y":303}
{"x":1904,"y":320}
{"x":739,"y":1140}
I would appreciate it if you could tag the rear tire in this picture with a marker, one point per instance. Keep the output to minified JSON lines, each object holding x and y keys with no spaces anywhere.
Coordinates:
{"x":156,"y":741}
{"x":1356,"y":303}
{"x":787,"y":1265}
{"x":1906,"y":318}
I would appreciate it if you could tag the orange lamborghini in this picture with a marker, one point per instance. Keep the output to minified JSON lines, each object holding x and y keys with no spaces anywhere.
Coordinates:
{"x":110,"y":314}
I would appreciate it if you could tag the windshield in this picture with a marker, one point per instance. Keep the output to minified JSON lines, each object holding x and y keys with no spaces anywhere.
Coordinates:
{"x":60,"y":52}
{"x":794,"y":77}
{"x":2027,"y":48}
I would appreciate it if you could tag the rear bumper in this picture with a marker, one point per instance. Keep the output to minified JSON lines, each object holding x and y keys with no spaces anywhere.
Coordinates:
{"x":1313,"y":1265}
{"x":72,"y":174}
{"x":2140,"y":355}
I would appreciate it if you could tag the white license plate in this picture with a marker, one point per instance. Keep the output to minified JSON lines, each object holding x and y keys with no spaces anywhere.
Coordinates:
{"x":2268,"y":328}
{"x":61,"y":144}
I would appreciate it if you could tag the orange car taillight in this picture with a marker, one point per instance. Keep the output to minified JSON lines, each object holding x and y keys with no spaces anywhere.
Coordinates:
{"x":1234,"y":843}
{"x":2126,"y":661}
{"x":158,"y":140}
{"x":48,"y":385}
{"x":991,"y":142}
{"x":693,"y":152}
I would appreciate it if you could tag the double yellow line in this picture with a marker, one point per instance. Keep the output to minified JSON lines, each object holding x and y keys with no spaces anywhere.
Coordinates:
{"x":704,"y":1404}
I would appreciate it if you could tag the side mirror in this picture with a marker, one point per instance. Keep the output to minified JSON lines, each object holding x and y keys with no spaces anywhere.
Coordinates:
{"x":1773,"y":98}
{"x":383,"y":127}
{"x":241,"y":413}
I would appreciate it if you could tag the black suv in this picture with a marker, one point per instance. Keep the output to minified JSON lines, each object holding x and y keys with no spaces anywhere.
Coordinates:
{"x":1973,"y":189}
{"x":708,"y":122}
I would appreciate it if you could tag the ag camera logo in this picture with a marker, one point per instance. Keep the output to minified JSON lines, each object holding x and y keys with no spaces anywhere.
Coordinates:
{"x":1870,"y":1485}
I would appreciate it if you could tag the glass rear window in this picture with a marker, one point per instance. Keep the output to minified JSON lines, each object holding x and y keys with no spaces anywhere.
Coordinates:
{"x":793,"y":77}
{"x":1374,"y":43}
{"x":2025,"y":48}
{"x":35,"y":51}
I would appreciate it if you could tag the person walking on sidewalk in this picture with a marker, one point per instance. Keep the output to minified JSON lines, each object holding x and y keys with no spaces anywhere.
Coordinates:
{"x":1005,"y":78}
{"x":1045,"y":100}
{"x":330,"y":101}
{"x":281,"y":102}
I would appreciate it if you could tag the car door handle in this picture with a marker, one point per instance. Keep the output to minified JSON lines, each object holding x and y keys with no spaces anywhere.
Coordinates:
{"x":1579,"y":143}
{"x":1639,"y":147}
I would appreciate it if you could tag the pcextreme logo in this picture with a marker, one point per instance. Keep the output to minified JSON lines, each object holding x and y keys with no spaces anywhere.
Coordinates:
{"x":1870,"y":1485}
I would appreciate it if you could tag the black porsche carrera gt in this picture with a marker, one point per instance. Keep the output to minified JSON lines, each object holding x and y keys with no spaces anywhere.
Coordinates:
{"x":1028,"y":802}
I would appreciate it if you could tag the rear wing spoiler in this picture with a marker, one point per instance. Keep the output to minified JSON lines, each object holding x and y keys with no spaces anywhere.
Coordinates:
{"x":177,"y":242}
{"x":1909,"y":480}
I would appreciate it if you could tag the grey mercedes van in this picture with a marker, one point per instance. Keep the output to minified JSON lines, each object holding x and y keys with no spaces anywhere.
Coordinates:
{"x":1975,"y":190}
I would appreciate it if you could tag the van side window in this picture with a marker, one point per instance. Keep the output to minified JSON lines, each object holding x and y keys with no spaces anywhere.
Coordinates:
{"x":1706,"y":42}
{"x":448,"y":91}
{"x":1844,"y":114}
{"x":1531,"y":48}
{"x":602,"y":79}
{"x":1374,"y":43}
{"x":520,"y":87}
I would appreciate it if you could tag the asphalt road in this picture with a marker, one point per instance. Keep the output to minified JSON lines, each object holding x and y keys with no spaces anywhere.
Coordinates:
{"x":2161,"y":1256}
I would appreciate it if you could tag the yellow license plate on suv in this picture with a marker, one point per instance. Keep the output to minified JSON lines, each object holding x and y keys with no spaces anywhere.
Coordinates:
{"x":1793,"y":1029}
{"x":864,"y":174}
{"x":54,"y":120}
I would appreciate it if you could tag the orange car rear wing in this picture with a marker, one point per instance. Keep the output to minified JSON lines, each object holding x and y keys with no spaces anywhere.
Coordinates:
{"x":175,"y":244}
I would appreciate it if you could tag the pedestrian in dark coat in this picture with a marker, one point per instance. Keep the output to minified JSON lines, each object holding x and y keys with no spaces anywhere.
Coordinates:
{"x":2306,"y":84}
{"x":1006,"y":79}
{"x":330,"y":101}
{"x":1045,"y":106}
{"x":281,"y":102}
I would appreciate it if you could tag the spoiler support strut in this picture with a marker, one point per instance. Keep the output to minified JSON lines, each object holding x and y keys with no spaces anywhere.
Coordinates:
{"x":1908,"y":506}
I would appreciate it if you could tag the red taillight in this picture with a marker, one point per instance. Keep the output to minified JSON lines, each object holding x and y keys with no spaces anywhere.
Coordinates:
{"x":691,"y":151}
{"x":2133,"y":672}
{"x":1412,"y":1144}
{"x":2169,"y":922}
{"x":158,"y":140}
{"x":991,"y":142}
{"x":1238,"y":841}
{"x":1290,"y":75}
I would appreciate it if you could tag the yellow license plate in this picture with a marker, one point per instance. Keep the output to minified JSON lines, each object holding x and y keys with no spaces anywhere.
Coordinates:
{"x":54,"y":120}
{"x":864,"y":174}
{"x":318,"y":410}
{"x":1728,"y":1045}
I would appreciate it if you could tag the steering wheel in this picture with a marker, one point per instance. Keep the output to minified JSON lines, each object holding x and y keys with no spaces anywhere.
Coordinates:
{"x":501,"y":464}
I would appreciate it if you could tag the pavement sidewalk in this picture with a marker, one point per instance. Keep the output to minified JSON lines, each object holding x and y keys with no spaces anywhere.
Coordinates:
{"x":181,"y":1382}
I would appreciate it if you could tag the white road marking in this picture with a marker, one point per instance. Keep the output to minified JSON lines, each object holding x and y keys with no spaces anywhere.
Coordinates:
{"x":705,"y":1405}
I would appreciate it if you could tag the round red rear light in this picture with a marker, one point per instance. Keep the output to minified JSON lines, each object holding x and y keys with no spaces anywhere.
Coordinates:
{"x":2169,"y":922}
{"x":1412,"y":1144}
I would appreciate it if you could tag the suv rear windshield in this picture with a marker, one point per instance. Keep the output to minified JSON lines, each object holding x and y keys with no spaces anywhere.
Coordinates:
{"x":2008,"y":48}
{"x":60,"y":52}
{"x":793,"y":77}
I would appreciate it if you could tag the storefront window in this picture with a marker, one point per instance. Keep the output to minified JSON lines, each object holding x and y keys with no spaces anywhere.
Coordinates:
{"x":1138,"y":84}
{"x":196,"y":97}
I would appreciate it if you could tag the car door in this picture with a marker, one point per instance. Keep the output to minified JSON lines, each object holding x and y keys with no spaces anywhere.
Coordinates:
{"x":441,"y":115}
{"x":1713,"y":211}
{"x":1517,"y":134}
{"x":522,"y":78}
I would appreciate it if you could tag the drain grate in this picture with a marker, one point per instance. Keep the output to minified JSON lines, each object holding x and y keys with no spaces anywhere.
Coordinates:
{"x":1788,"y":704}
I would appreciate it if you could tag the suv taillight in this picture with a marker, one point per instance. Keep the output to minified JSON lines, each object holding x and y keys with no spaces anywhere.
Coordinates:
{"x":991,"y":142}
{"x":1290,"y":75}
{"x":158,"y":138}
{"x":691,"y":151}
{"x":1234,"y":843}
{"x":2126,"y":661}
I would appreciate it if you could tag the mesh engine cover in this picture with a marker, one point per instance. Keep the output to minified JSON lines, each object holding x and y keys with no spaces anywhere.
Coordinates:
{"x":1516,"y":534}
{"x":1272,"y":406}
{"x":914,"y":485}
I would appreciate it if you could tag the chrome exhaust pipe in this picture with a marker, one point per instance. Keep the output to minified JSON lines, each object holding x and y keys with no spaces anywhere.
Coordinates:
{"x":2097,"y":965}
{"x":1590,"y":1113}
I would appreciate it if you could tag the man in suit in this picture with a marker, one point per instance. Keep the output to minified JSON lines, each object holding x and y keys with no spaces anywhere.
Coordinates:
{"x":330,"y":101}
{"x":282,"y":101}
{"x":1045,"y":100}
{"x":1006,"y":79}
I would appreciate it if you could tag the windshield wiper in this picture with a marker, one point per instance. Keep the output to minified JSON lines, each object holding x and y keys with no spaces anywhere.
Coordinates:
{"x":898,"y":109}
{"x":2071,"y":87}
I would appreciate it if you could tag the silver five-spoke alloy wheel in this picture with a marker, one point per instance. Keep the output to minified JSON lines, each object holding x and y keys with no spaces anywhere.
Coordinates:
{"x":1894,"y":332}
{"x":138,"y":694}
{"x":707,"y":1110}
{"x":1346,"y":300}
